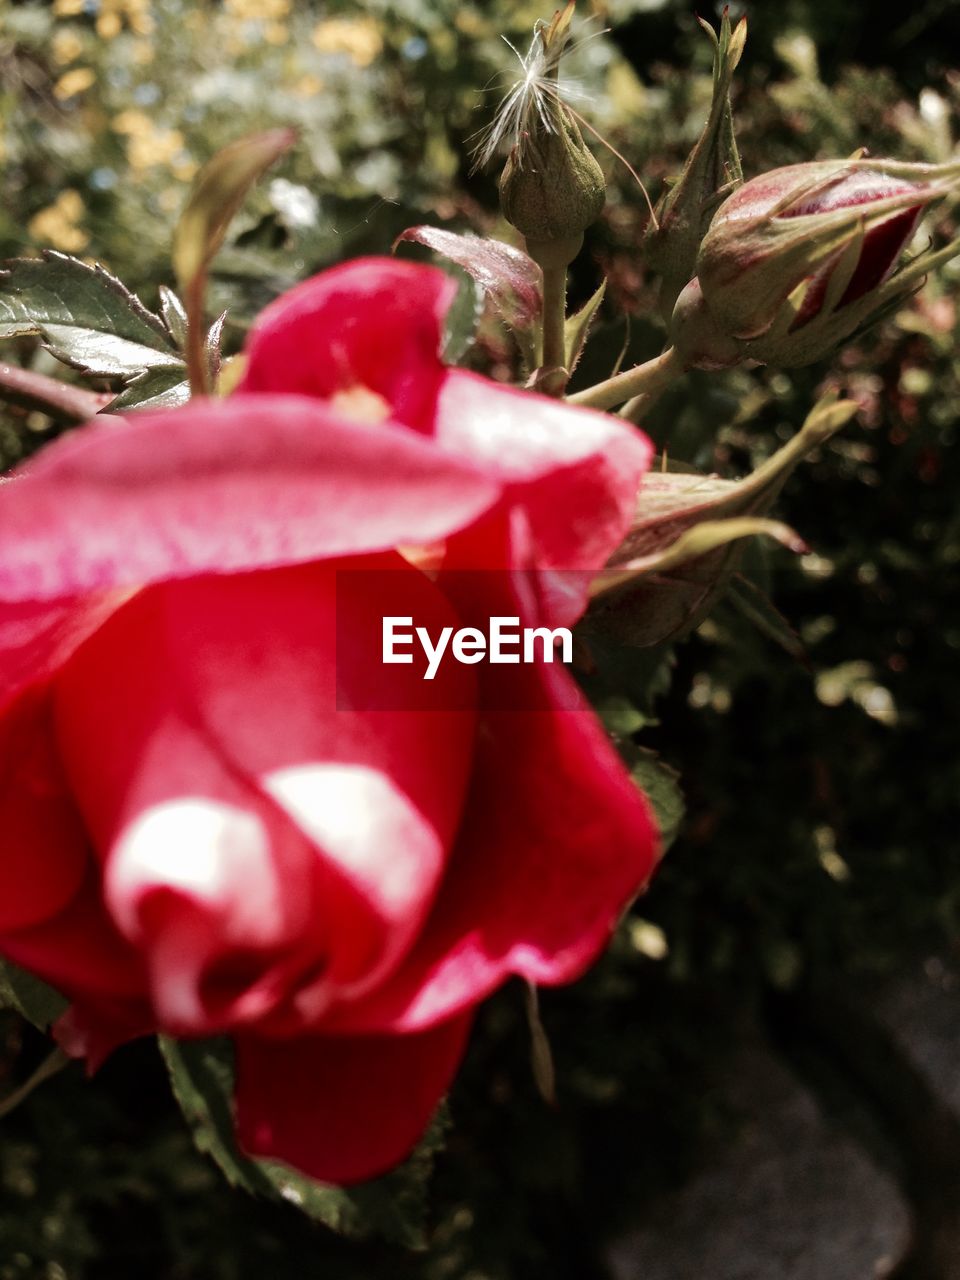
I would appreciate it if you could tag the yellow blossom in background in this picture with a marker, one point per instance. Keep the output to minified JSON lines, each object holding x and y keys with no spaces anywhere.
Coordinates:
{"x":358,"y":38}
{"x":276,"y":33}
{"x":160,"y":146}
{"x":132,"y":122}
{"x":258,"y":10}
{"x":114,"y":14}
{"x":150,"y":144}
{"x":68,"y":8}
{"x":109,"y":25}
{"x":142,"y":52}
{"x":56,"y":225}
{"x":73,"y":82}
{"x":469,"y":23}
{"x":308,"y":86}
{"x":184,"y":170}
{"x":66,"y":46}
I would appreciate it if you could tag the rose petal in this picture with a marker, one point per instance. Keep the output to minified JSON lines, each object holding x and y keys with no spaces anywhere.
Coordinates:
{"x":373,"y":324}
{"x":93,"y":1029}
{"x":556,"y":840}
{"x":36,"y":637}
{"x":343,"y":1109}
{"x":200,"y":871}
{"x":222,"y":486}
{"x":45,"y":848}
{"x":576,"y":473}
{"x":379,"y":793}
{"x":79,"y":951}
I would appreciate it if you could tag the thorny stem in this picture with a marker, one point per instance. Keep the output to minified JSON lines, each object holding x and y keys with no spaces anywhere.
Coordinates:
{"x":554,"y":317}
{"x":59,"y":400}
{"x":645,"y":380}
{"x":636,"y":409}
{"x":47,"y":1068}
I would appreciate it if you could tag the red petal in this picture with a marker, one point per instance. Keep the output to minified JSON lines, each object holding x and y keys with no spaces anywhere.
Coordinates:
{"x":199,"y":725}
{"x":223,"y":486}
{"x":79,"y":950}
{"x":45,"y":848}
{"x":576,"y":473}
{"x":343,"y":1110}
{"x":378,"y":793}
{"x":556,"y":840}
{"x":199,"y":871}
{"x":374,"y":324}
{"x":93,"y":1029}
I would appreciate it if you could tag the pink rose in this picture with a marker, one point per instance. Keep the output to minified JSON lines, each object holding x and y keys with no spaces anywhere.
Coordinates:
{"x":210,"y":825}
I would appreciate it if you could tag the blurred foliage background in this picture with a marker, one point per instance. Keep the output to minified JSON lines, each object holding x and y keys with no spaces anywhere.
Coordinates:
{"x":822,"y":794}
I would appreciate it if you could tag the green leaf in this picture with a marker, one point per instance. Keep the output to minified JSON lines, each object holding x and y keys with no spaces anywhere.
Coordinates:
{"x":153,"y":389}
{"x":661,"y":785}
{"x":462,"y":319}
{"x":174,"y":316}
{"x":31,"y":997}
{"x":393,"y":1207}
{"x":620,"y":717}
{"x":756,"y":606}
{"x":577,"y":327}
{"x":84,"y":315}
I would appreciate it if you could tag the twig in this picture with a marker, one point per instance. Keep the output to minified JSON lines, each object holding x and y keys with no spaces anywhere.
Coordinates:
{"x":60,"y":400}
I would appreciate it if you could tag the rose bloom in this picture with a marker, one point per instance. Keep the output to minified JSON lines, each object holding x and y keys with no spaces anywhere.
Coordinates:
{"x":209,"y":826}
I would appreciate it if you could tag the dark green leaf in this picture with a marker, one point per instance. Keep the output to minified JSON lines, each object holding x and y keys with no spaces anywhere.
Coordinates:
{"x":174,"y":316}
{"x":153,"y":389}
{"x":661,"y":785}
{"x":755,"y":605}
{"x":84,"y":315}
{"x":393,"y":1208}
{"x":37,"y":1002}
{"x":462,"y":320}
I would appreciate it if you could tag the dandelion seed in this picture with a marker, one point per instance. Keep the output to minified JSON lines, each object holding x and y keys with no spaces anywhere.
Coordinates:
{"x":534,"y":101}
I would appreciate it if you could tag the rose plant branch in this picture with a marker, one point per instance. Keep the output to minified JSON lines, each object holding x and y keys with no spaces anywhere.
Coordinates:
{"x":59,"y":400}
{"x":50,"y":1066}
{"x":644,"y":380}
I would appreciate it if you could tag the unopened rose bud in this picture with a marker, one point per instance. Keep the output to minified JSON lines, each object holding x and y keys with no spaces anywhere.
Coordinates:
{"x":552,"y":188}
{"x":799,"y":259}
{"x":686,"y":539}
{"x":712,"y":167}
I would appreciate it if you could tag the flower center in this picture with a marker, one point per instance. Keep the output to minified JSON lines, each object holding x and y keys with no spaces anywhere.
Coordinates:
{"x":361,"y":404}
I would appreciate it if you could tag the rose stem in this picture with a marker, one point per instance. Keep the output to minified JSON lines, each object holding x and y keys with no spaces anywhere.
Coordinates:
{"x":642,"y":380}
{"x":59,"y":400}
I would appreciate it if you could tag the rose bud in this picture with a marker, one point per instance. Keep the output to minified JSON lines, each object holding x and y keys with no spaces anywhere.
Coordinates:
{"x":799,"y":259}
{"x":213,"y":822}
{"x":551,"y":188}
{"x":687,"y":536}
{"x":712,"y":170}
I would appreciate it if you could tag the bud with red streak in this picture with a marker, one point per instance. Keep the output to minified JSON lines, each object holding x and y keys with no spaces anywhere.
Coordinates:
{"x":799,"y":259}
